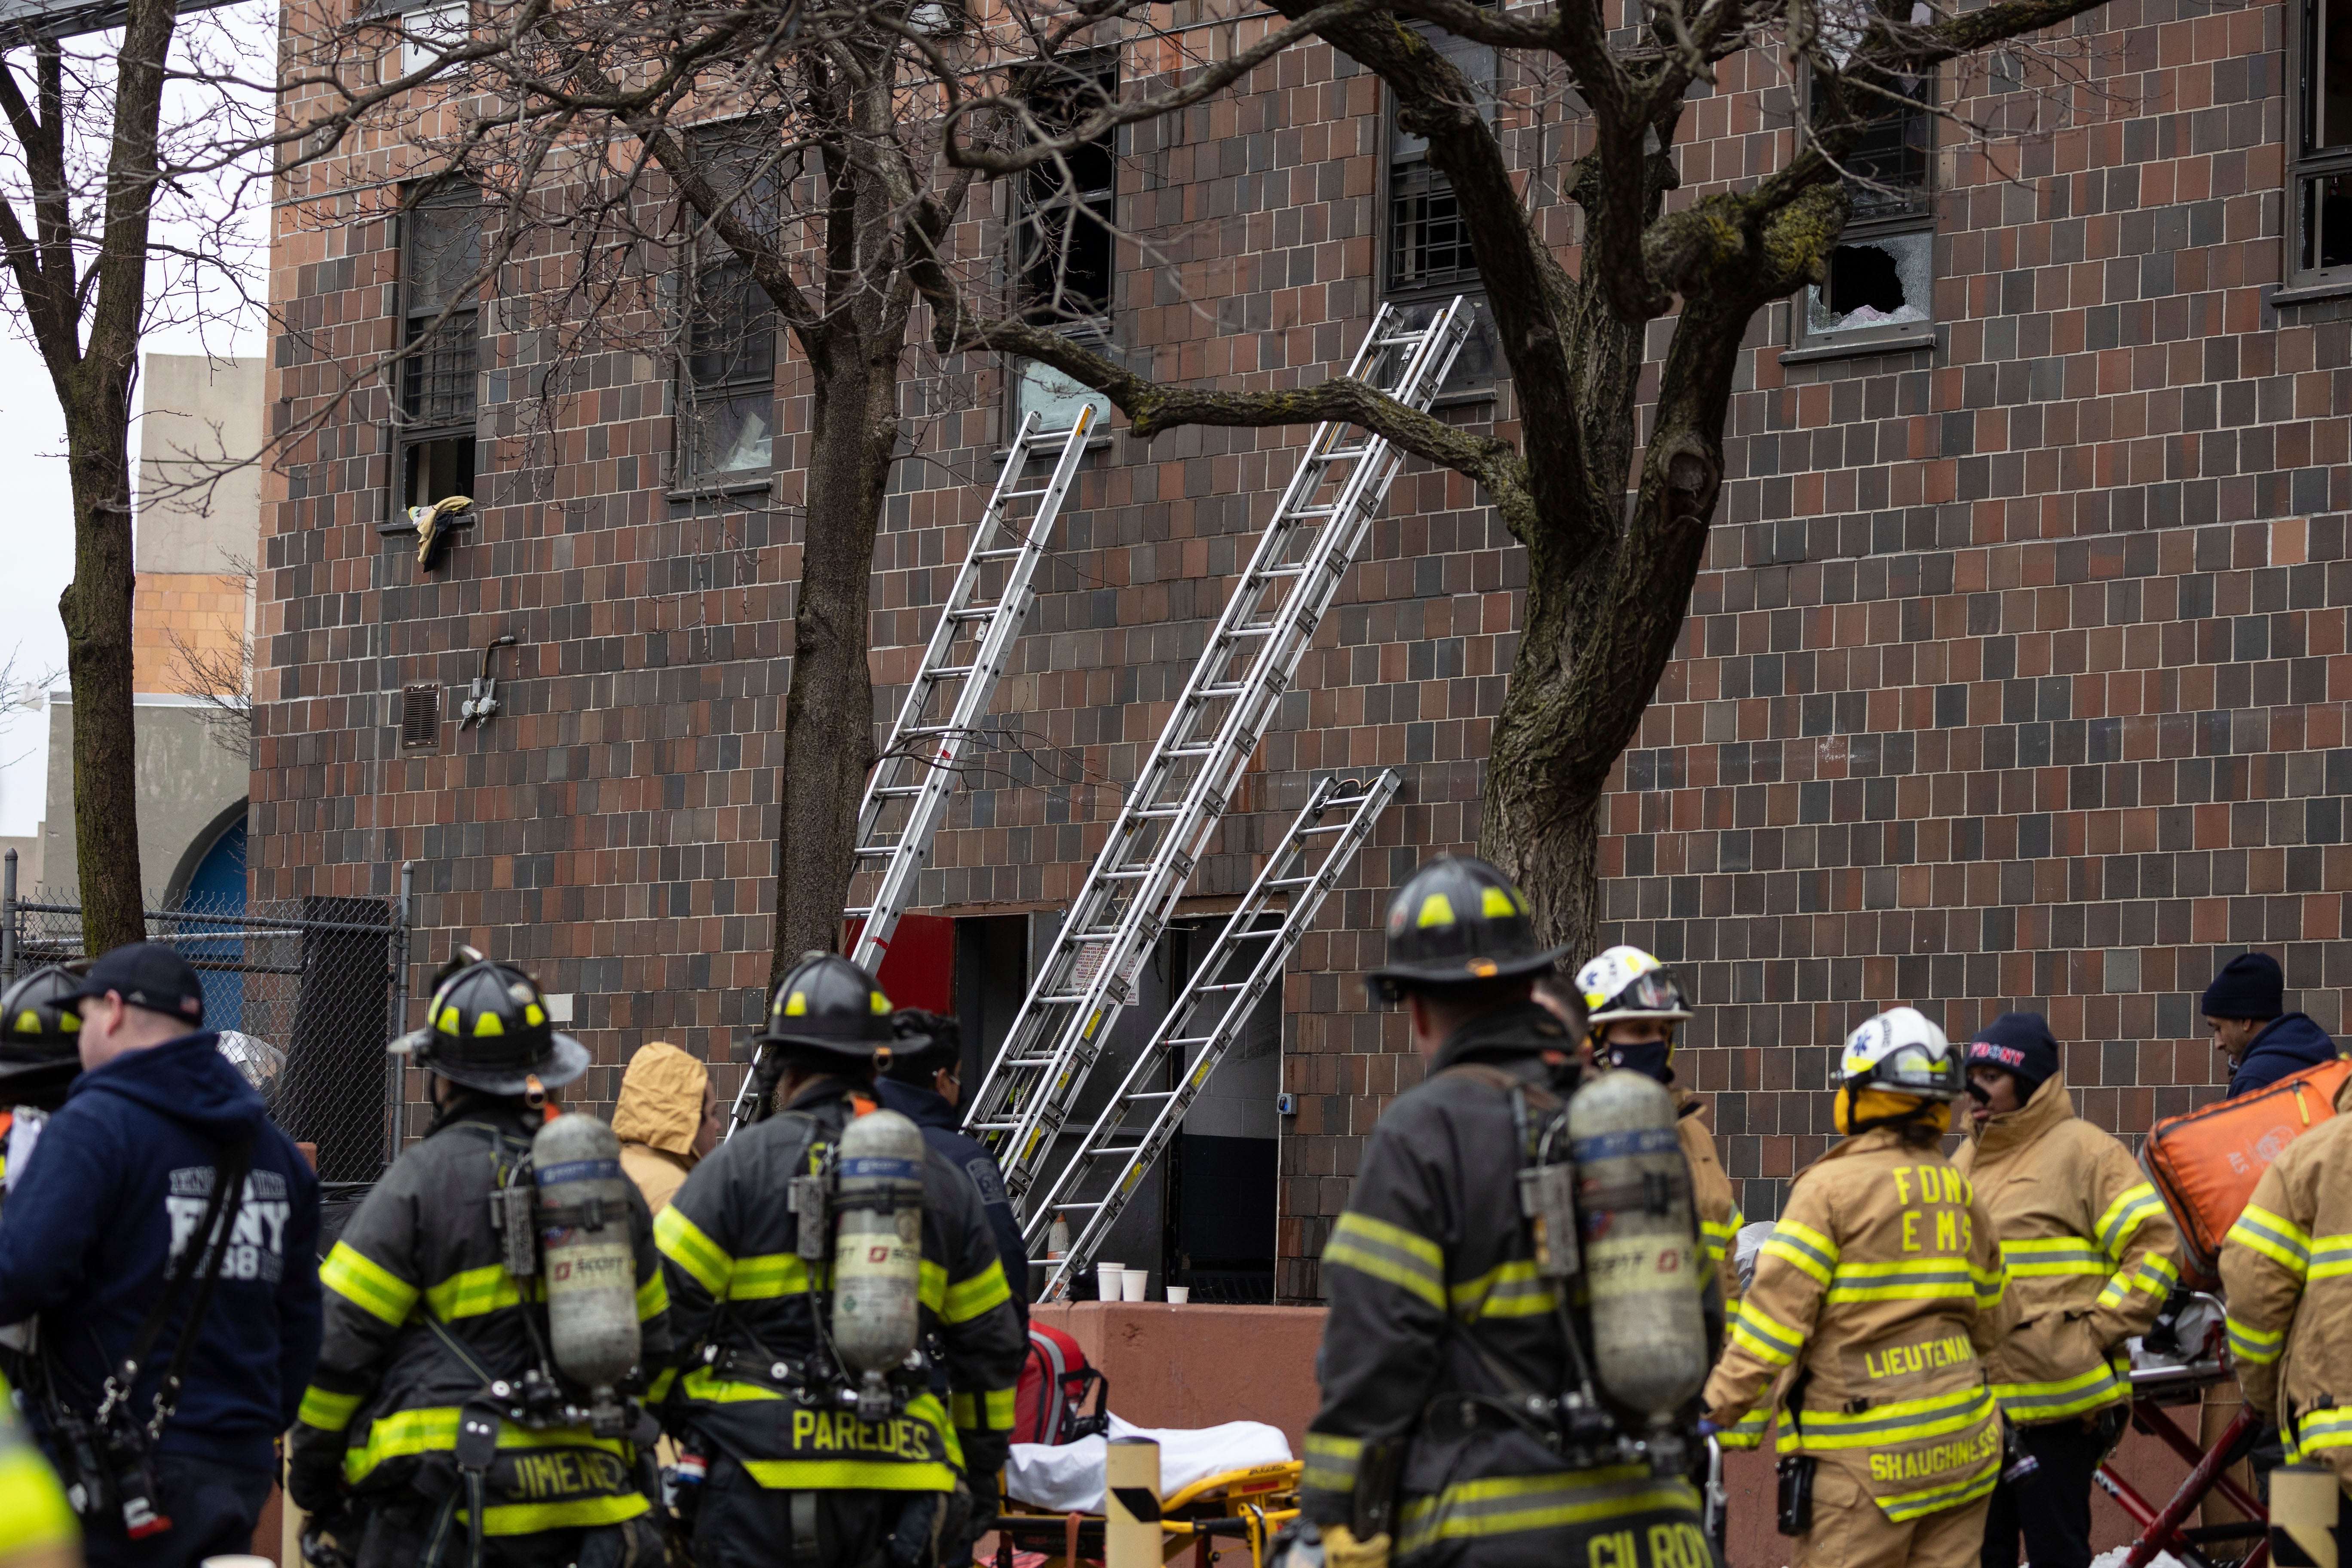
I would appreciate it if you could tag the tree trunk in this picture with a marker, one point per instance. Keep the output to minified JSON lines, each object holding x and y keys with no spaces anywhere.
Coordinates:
{"x":829,"y":720}
{"x":96,"y":609}
{"x":1543,"y":835}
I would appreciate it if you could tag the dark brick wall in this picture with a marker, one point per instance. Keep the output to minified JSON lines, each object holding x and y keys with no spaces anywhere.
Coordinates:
{"x":2016,"y":675}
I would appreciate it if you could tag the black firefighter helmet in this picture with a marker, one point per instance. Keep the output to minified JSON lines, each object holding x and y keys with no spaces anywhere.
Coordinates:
{"x":828,"y":1010}
{"x":1459,"y":922}
{"x":488,"y":1030}
{"x":39,"y":1051}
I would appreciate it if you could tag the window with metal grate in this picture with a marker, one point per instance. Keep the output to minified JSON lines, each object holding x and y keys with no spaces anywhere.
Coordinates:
{"x":420,"y":718}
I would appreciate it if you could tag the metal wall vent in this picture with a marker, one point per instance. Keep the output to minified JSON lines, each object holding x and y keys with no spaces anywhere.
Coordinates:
{"x":420,"y":718}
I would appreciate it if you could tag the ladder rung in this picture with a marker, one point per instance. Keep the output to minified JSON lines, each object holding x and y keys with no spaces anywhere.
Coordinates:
{"x":1230,"y":985}
{"x":859,"y":912}
{"x":950,"y":671}
{"x":1005,"y":553}
{"x":898,"y":791}
{"x":977,"y":613}
{"x":877,"y":850}
{"x":1027,"y":495}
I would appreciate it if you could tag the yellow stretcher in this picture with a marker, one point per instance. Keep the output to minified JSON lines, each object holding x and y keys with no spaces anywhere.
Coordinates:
{"x":1245,"y":1506}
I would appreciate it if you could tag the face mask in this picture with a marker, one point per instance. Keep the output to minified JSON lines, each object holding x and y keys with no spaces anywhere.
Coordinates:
{"x":1648,"y":1058}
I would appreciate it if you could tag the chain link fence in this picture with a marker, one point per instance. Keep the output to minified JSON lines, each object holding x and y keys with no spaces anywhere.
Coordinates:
{"x":319,"y":979}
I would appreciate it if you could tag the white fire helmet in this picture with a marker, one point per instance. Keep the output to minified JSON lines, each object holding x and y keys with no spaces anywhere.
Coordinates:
{"x":1626,"y":983}
{"x":1903,"y":1052}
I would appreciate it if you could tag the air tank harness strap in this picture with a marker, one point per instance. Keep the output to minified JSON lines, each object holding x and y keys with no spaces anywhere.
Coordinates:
{"x":476,"y":1450}
{"x":807,"y":1551}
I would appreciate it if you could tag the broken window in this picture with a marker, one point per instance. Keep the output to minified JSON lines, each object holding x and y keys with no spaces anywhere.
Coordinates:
{"x":727,"y":380}
{"x":1881,"y":279}
{"x":441,"y":250}
{"x":1067,"y":205}
{"x":2322,"y":147}
{"x":1428,"y":240}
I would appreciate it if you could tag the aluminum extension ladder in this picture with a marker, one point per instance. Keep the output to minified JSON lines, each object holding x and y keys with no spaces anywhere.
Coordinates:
{"x":1227,"y":704}
{"x":906,"y":794}
{"x":1115,"y":1154}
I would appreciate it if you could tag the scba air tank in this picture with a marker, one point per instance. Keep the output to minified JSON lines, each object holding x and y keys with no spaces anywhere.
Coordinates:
{"x":1641,"y":1263}
{"x":591,"y":1266}
{"x":877,"y":1241}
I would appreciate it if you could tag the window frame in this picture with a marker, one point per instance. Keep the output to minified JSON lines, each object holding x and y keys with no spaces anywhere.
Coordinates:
{"x":1920,"y":220}
{"x":1468,"y":279}
{"x":2303,"y":163}
{"x":410,"y":435}
{"x":1025,"y":380}
{"x":688,"y":390}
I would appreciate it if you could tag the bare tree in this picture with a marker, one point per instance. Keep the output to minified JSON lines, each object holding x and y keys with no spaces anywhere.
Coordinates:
{"x":114,"y":219}
{"x":1610,"y":572}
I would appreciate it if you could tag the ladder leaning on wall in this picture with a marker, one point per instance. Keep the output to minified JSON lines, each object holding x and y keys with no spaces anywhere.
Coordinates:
{"x":906,"y":794}
{"x":1188,"y":783}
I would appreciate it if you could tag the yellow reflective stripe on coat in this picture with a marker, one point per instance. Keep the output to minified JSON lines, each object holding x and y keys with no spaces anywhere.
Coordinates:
{"x":1951,"y":1494}
{"x":764,"y":1276}
{"x":405,"y":1434}
{"x":2027,"y":1402}
{"x":2133,"y":1208}
{"x":849,"y":1475}
{"x":470,"y":1292}
{"x":33,"y":1512}
{"x":2331,"y":1257}
{"x":2155,"y":1274}
{"x":681,"y":1241}
{"x":1002,"y":1406}
{"x":367,"y":1284}
{"x":996,"y":1407}
{"x":580,"y":1513}
{"x":1896,"y":1421}
{"x":2252,"y":1344}
{"x":652,"y":1297}
{"x":326,"y":1411}
{"x":2276,"y":1238}
{"x":1755,"y":1331}
{"x":1389,"y":1253}
{"x":1511,"y":1289}
{"x":1331,"y":1462}
{"x":1747,"y":1432}
{"x":968,"y":1299}
{"x":1919,"y":1279}
{"x":2316,"y":1430}
{"x":1511,"y":1505}
{"x":1804,"y":1248}
{"x":2043,"y":1257}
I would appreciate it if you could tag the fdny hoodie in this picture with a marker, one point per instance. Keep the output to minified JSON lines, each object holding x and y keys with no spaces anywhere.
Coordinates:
{"x":115,"y":1189}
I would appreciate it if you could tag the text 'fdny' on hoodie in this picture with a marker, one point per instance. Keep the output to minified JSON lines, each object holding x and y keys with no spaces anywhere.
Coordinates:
{"x":116,"y":1186}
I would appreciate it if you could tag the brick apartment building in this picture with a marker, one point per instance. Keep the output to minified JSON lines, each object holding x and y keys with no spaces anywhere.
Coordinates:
{"x":2017,"y":677}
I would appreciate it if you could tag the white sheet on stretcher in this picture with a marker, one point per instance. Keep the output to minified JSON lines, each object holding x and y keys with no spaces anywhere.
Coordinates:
{"x":1067,"y":1477}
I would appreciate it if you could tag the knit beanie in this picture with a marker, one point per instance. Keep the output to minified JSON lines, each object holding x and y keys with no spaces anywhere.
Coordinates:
{"x":2017,"y":1043}
{"x":2249,"y":986}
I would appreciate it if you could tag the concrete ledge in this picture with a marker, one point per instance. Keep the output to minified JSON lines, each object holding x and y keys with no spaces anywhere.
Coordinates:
{"x":1200,"y":1366}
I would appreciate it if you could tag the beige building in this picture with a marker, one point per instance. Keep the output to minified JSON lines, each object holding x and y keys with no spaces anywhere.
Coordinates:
{"x":194,"y":533}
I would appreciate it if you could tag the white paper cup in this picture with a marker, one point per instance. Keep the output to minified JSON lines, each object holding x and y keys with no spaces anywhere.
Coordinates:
{"x":1180,"y":1295}
{"x":1108,"y":1281}
{"x":1132,"y":1284}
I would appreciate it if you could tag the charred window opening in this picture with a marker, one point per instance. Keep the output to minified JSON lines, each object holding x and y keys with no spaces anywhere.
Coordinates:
{"x":2321,"y":179}
{"x":727,"y":325}
{"x":1882,"y":278}
{"x":441,"y":251}
{"x":1428,"y":238}
{"x":1064,"y":235}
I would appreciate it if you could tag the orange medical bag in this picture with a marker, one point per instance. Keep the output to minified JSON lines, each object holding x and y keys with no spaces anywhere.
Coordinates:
{"x":2206,"y":1164}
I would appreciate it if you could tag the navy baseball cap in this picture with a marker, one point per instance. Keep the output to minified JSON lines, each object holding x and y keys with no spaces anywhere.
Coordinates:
{"x":149,"y":974}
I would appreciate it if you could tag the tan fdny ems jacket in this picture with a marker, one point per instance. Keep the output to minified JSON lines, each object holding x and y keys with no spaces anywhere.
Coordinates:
{"x":1718,"y":1212}
{"x":2286,"y":1269}
{"x":1882,"y":1285}
{"x":2090,"y":1249}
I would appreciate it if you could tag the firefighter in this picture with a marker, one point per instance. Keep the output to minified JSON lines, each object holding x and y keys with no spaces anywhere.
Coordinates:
{"x":1443,"y":1432}
{"x":1632,"y":1005}
{"x":40,"y":1055}
{"x":2090,"y":1251}
{"x":1882,"y":1285}
{"x":2287,"y":1271}
{"x":437,"y":1428}
{"x":794,"y":1475}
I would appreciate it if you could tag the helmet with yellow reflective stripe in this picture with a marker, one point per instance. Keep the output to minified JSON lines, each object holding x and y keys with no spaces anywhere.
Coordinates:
{"x":1459,"y":922}
{"x":829,"y":1008}
{"x":488,"y":1027}
{"x":40,"y":1054}
{"x":1626,"y":983}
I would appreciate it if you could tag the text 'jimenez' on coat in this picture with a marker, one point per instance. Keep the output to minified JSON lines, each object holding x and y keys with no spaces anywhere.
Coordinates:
{"x":421,"y":1251}
{"x":2090,"y":1253}
{"x":1882,"y":1285}
{"x":1437,"y":1309}
{"x":2286,"y":1269}
{"x":739,"y":1284}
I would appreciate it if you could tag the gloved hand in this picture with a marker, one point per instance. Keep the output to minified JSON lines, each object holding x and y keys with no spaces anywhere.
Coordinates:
{"x":1342,"y":1550}
{"x":1707,"y":1428}
{"x":314,"y":1478}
